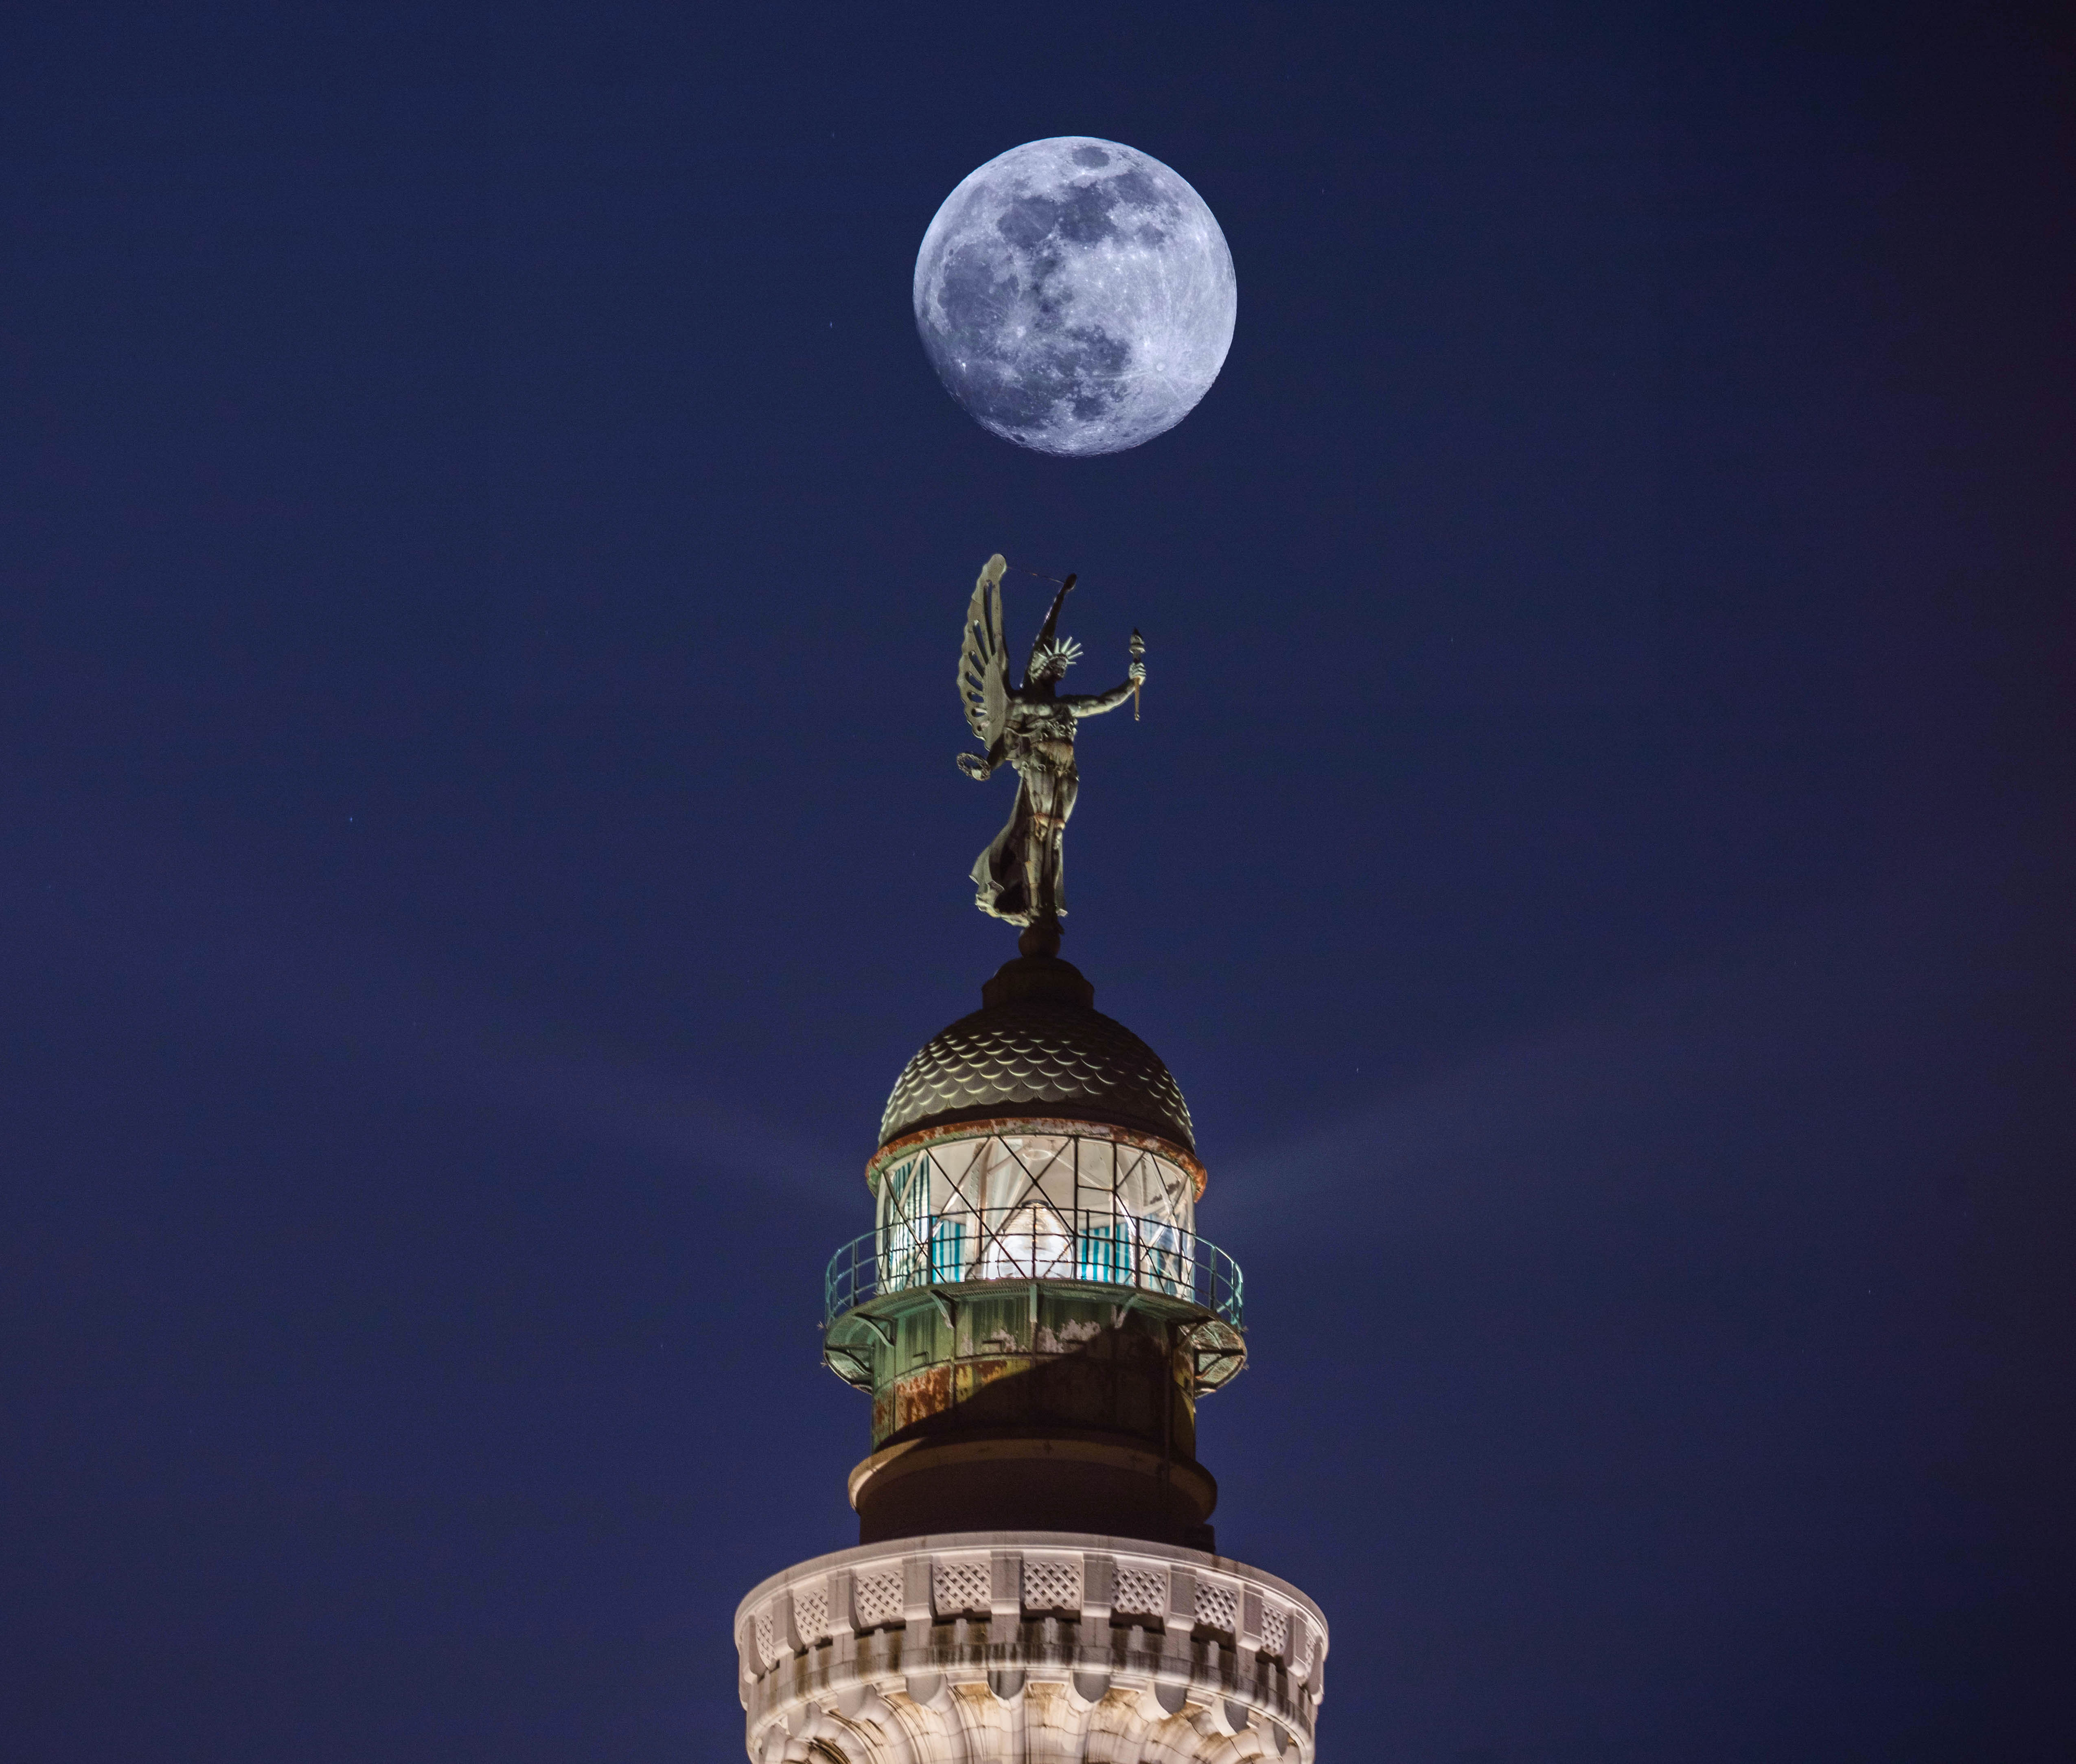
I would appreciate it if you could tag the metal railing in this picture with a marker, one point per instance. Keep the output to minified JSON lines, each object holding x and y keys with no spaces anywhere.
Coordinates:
{"x":1033,"y":1243}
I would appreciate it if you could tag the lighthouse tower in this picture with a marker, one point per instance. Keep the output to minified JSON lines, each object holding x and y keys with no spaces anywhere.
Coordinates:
{"x":1035,"y":1319}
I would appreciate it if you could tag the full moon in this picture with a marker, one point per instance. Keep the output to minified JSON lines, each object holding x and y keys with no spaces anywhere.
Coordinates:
{"x":1076,"y":296}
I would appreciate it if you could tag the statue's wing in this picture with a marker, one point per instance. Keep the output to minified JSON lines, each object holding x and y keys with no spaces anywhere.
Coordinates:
{"x":983,"y":658}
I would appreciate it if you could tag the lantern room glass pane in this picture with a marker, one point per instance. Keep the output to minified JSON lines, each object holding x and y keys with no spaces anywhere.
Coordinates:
{"x":1036,"y":1205}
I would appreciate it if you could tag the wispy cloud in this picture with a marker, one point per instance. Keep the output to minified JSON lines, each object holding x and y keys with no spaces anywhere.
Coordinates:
{"x":1815,"y":1063}
{"x":160,"y":933}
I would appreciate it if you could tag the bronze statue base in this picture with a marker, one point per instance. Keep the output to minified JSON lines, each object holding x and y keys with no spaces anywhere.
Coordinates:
{"x":1041,"y":938}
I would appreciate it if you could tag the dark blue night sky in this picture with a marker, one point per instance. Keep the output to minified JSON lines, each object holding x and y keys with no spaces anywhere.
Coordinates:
{"x":483,"y":554}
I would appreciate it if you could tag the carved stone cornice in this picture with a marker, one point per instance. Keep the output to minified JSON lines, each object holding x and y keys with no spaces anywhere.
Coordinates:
{"x":1013,"y":1647}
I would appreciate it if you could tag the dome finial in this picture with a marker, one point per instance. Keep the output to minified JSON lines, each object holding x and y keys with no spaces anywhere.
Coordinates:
{"x":1040,"y":937}
{"x":1039,"y":975}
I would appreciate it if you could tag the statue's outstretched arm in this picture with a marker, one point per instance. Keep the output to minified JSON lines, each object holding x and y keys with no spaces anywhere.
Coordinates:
{"x":1095,"y":703}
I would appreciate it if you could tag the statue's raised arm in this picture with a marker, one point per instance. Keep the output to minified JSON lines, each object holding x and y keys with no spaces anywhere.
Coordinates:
{"x":1031,"y":725}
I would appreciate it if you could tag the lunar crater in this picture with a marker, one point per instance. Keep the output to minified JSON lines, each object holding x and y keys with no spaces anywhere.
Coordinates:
{"x":1075,"y":296}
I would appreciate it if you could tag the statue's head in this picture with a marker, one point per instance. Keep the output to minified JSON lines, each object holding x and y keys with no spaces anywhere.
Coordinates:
{"x":1050,"y":661}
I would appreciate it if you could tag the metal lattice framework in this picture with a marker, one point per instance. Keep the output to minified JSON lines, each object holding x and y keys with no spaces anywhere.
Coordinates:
{"x":999,"y":1170}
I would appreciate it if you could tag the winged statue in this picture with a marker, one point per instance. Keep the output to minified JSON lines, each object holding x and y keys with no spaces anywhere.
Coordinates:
{"x":1029,"y":727}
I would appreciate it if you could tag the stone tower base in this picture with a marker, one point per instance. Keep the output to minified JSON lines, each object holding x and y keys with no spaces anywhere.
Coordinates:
{"x":991,"y":1647}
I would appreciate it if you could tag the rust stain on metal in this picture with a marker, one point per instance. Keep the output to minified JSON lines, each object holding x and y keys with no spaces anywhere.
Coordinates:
{"x":925,"y":1393}
{"x":986,"y":1371}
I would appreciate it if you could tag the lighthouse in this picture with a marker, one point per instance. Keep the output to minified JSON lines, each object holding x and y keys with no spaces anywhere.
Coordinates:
{"x":1036,"y":1319}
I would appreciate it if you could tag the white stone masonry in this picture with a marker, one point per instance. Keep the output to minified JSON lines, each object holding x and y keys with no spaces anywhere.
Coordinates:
{"x":1028,"y":1647}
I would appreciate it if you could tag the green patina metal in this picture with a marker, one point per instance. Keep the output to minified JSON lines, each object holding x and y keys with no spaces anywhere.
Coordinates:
{"x":1095,"y":1324}
{"x":1078,"y":1356}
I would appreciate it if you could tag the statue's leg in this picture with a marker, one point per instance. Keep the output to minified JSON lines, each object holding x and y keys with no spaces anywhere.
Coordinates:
{"x":1070,"y":787}
{"x":1034,"y":856}
{"x":1047,"y":824}
{"x":1042,"y":935}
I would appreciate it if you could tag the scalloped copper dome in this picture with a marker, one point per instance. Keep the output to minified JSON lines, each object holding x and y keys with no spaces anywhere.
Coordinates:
{"x":1038,"y":1043}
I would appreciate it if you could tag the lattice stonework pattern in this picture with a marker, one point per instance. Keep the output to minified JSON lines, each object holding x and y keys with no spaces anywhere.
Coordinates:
{"x":1275,"y":1631}
{"x":1056,"y":1683}
{"x":958,"y":1588}
{"x":811,"y":1614}
{"x":1051,"y":1585}
{"x":1216,"y":1605}
{"x":1141,"y":1592}
{"x":880,"y":1598}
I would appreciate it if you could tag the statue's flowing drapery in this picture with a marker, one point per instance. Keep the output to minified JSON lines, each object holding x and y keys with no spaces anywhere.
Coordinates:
{"x":1029,"y":853}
